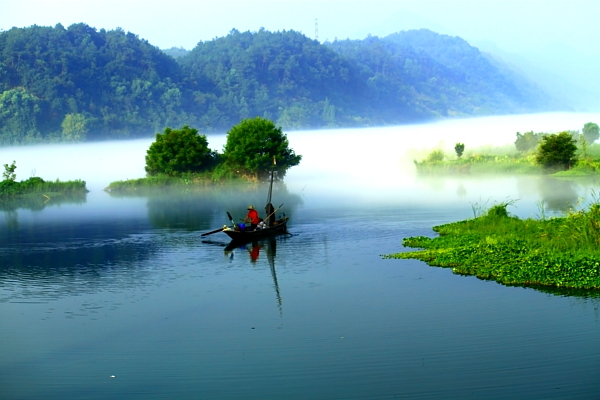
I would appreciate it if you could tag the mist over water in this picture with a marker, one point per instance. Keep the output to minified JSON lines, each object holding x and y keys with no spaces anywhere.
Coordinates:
{"x":378,"y":157}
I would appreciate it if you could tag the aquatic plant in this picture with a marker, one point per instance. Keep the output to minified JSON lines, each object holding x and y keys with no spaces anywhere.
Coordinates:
{"x":558,"y":252}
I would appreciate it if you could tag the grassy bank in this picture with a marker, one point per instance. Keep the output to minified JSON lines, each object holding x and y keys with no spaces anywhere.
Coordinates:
{"x":161,"y":181}
{"x":35,"y":186}
{"x":558,"y":252}
{"x":480,"y":164}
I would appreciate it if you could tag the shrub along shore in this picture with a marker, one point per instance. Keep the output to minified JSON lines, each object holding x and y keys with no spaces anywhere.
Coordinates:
{"x":38,"y":186}
{"x":559,"y":252}
{"x":11,"y":189}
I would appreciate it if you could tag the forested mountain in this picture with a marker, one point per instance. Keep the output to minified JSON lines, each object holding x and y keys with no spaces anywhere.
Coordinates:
{"x":283,"y":76}
{"x":79,"y":83}
{"x":176,"y":52}
{"x":477,"y":73}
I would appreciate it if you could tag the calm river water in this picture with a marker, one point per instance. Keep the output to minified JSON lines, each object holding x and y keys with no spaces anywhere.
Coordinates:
{"x":119,"y":297}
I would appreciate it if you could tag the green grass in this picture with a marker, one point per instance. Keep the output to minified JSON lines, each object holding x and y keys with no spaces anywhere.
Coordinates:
{"x":553,"y":253}
{"x":161,"y":181}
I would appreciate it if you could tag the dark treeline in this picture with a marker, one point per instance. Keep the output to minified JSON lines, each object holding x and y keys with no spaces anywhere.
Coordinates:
{"x":79,"y":83}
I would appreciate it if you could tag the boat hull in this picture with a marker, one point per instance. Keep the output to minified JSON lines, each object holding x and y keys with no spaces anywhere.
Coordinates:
{"x":248,"y":236}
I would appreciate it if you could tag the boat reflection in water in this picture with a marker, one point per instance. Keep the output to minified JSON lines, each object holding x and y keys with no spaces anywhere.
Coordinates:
{"x":268,"y":247}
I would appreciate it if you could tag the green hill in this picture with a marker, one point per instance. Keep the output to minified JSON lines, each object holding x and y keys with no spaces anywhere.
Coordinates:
{"x":79,"y":83}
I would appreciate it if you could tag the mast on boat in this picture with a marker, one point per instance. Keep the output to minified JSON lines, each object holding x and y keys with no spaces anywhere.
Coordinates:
{"x":269,"y":209}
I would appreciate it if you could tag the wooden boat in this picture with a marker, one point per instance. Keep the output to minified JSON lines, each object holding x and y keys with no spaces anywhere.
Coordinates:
{"x":271,"y":227}
{"x":239,"y":236}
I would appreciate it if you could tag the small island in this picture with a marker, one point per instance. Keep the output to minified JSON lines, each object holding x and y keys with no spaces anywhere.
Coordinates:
{"x":12,"y":190}
{"x":181,"y":157}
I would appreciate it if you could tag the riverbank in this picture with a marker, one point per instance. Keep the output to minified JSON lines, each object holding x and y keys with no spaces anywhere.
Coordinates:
{"x":558,"y":252}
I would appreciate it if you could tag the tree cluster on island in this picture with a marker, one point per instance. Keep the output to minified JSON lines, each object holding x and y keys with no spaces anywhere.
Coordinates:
{"x":249,"y":153}
{"x":82,"y":84}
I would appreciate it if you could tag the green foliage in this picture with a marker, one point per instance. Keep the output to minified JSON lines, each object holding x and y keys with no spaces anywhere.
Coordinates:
{"x":10,"y":189}
{"x":557,"y":151}
{"x":161,"y":181}
{"x":527,"y":141}
{"x":251,"y":146}
{"x":176,"y":52}
{"x":80,"y":83}
{"x":175,"y":152}
{"x":74,"y":127}
{"x":9,"y":172}
{"x":435,"y":156}
{"x":591,"y":132}
{"x":19,"y":117}
{"x":459,"y":148}
{"x":559,"y":252}
{"x":499,"y":210}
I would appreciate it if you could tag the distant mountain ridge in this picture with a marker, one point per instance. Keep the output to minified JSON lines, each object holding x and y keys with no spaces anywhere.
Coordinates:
{"x":79,"y":84}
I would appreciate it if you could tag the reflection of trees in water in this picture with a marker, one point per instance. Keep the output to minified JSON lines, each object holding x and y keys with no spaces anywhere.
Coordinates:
{"x":195,"y":209}
{"x":558,"y":194}
{"x":12,"y":220}
{"x":9,"y":206}
{"x":39,"y":202}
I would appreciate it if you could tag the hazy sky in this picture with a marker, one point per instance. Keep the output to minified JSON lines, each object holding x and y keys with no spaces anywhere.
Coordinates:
{"x":510,"y":25}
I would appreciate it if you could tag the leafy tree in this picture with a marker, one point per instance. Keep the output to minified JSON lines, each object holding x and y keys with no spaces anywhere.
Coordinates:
{"x":19,"y":113}
{"x":179,"y":151}
{"x":436,"y":156}
{"x":251,"y":146}
{"x":527,"y":141}
{"x":557,"y":151}
{"x":591,"y":132}
{"x":9,"y":172}
{"x":459,"y":148}
{"x":74,"y":127}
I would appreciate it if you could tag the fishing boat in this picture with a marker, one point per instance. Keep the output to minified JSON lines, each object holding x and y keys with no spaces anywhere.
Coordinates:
{"x":236,"y":234}
{"x":270,"y":226}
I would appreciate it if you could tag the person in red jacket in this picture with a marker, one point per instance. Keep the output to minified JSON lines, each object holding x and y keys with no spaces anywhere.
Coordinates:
{"x":252,"y":217}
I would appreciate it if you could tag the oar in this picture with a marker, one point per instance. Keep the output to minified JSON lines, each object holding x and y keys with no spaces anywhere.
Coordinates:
{"x":210,"y":233}
{"x":230,"y":218}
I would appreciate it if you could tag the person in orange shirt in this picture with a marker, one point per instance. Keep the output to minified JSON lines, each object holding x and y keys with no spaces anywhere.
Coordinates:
{"x":252,"y":217}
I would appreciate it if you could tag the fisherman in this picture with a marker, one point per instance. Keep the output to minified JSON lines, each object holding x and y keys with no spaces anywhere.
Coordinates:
{"x":252,"y":217}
